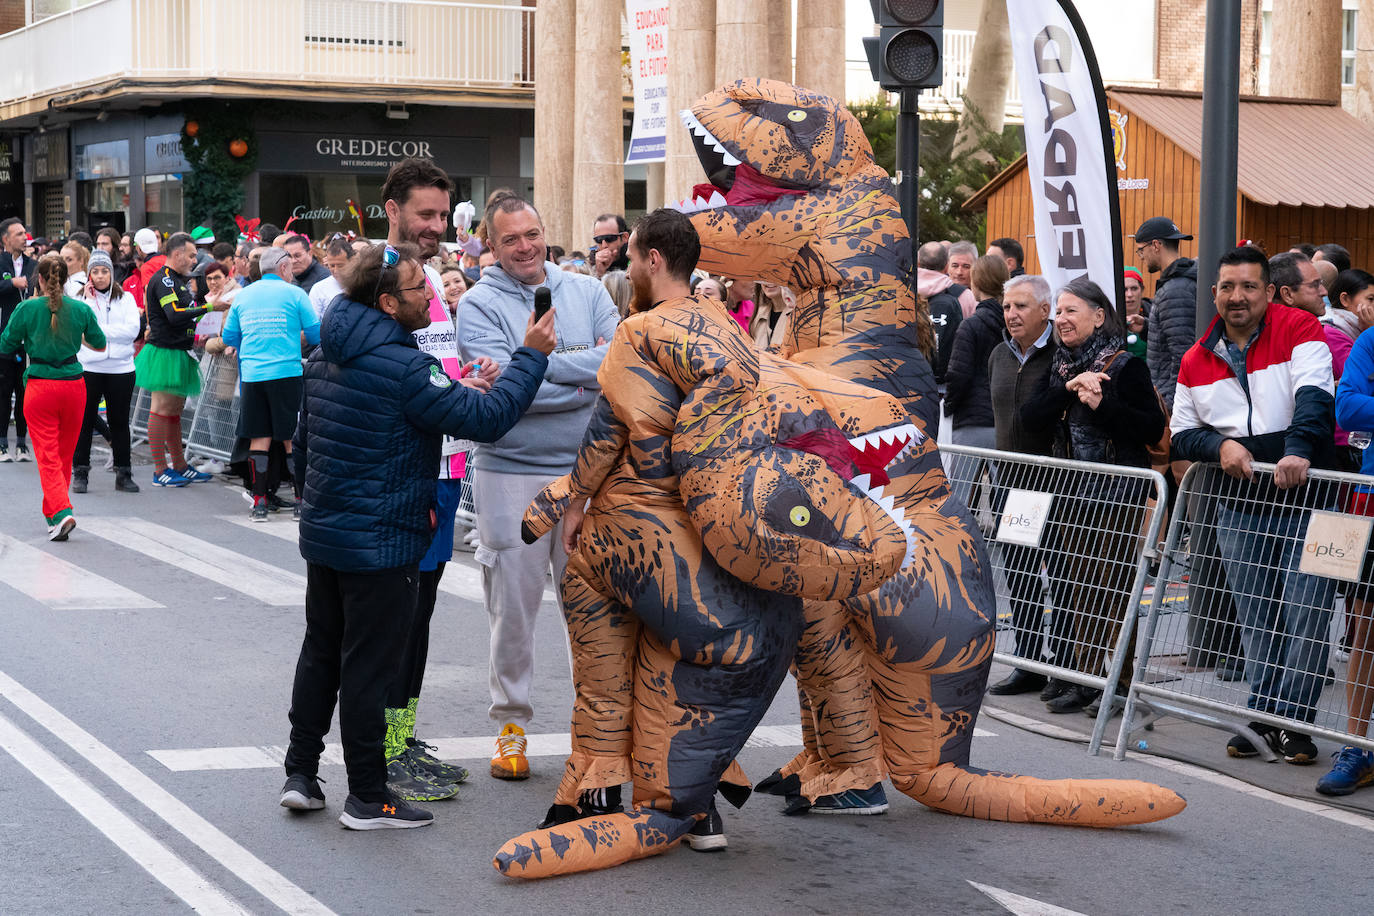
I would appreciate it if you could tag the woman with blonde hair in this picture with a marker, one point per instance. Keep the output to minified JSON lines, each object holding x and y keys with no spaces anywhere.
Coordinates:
{"x":617,"y":283}
{"x":51,"y":328}
{"x":76,"y":257}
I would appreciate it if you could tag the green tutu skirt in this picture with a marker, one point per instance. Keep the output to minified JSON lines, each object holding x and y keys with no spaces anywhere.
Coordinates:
{"x":171,"y":371}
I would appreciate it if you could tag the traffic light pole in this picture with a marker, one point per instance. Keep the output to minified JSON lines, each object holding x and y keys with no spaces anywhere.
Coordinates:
{"x":908,"y":157}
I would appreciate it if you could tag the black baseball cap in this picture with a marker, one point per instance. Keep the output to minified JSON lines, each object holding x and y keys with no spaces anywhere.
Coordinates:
{"x":1159,"y":227}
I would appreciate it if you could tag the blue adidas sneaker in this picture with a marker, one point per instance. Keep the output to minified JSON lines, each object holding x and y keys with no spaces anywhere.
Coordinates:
{"x":191,"y":475}
{"x":872,"y":800}
{"x":1354,"y":768}
{"x":169,"y":478}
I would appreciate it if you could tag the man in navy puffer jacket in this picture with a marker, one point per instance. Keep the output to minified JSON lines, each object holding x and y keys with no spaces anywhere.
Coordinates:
{"x":367,"y":447}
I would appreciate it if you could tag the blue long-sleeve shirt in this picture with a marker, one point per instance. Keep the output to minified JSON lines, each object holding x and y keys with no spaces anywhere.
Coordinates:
{"x":1355,"y":394}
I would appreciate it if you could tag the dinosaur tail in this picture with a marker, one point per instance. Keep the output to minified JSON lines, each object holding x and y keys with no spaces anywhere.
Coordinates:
{"x":591,"y":843}
{"x":994,"y":796}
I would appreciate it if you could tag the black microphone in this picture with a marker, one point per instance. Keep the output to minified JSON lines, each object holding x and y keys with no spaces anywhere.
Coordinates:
{"x":543,"y":301}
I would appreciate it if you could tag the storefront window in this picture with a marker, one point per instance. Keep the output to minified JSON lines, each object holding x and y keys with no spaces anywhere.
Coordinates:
{"x":105,"y":203}
{"x":321,"y":204}
{"x":162,"y":202}
{"x":109,"y":159}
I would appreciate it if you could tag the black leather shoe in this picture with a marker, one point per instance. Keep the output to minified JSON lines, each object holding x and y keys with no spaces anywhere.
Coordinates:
{"x":1017,"y":682}
{"x":1073,"y":700}
{"x":1055,"y":688}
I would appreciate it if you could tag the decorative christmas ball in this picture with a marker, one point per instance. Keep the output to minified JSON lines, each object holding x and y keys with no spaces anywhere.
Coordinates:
{"x":192,"y":128}
{"x":238,"y":149}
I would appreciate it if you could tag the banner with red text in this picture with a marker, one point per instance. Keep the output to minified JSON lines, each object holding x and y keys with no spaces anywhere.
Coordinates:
{"x":648,"y":21}
{"x":1068,"y":146}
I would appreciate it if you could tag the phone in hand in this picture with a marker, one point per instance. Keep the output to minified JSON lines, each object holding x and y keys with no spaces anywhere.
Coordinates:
{"x":543,"y":301}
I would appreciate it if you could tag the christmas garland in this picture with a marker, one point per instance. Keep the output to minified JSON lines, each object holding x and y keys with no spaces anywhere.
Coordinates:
{"x":221,"y":146}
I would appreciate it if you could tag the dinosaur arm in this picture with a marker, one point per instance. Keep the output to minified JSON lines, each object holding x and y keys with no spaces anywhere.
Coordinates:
{"x":603,"y":444}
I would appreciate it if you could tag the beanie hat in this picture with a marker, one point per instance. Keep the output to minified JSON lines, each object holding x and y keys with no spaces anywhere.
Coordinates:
{"x":1132,"y":272}
{"x":100,"y":259}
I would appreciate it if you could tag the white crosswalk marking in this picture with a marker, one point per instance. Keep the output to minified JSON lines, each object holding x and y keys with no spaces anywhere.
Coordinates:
{"x":59,"y":584}
{"x":554,"y":744}
{"x":263,"y":581}
{"x":459,"y":580}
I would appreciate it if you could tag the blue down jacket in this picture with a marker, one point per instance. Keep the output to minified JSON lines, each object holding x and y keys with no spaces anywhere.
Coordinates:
{"x":374,"y":409}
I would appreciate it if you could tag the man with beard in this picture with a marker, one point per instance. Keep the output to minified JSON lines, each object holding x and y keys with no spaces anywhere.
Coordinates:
{"x":542,"y":446}
{"x":416,"y":199}
{"x":610,"y":238}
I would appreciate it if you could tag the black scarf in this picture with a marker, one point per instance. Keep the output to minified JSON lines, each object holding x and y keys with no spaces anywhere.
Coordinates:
{"x":1090,"y":356}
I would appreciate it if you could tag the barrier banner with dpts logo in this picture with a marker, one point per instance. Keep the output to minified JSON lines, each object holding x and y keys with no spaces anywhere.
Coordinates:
{"x":1068,"y":146}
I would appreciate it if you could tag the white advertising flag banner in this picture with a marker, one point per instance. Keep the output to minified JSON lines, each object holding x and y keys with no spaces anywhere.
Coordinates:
{"x":1068,"y":145}
{"x":648,"y":21}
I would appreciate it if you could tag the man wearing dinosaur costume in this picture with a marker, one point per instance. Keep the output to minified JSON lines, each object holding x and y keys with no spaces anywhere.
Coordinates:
{"x":694,"y":411}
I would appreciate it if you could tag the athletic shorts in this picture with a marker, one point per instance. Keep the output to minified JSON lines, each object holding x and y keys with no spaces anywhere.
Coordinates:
{"x":268,"y":410}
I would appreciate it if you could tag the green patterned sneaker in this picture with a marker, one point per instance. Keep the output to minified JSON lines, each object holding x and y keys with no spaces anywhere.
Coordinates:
{"x":410,"y":783}
{"x":442,"y":772}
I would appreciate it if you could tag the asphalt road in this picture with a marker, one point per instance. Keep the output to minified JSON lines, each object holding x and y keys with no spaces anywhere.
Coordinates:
{"x":145,"y":670}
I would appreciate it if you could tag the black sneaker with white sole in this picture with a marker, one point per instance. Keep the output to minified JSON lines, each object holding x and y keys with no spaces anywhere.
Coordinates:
{"x":708,"y":834}
{"x":1297,"y":748}
{"x":392,"y":814}
{"x":302,"y":793}
{"x":1239,"y":746}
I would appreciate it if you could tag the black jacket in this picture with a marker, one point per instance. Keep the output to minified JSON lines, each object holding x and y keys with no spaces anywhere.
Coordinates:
{"x":313,"y":274}
{"x":1173,"y":325}
{"x":172,"y":311}
{"x":945,"y":317}
{"x":368,"y":440}
{"x":1013,"y":384}
{"x":10,"y":295}
{"x":967,"y":398}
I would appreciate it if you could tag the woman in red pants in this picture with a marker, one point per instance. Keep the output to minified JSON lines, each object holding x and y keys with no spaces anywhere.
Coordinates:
{"x":51,"y":328}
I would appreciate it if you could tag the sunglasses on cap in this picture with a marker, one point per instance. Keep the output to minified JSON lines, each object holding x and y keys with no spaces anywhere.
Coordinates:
{"x":390,"y":258}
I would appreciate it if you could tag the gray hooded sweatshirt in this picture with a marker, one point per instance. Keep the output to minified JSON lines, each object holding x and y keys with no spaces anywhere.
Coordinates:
{"x":491,"y":322}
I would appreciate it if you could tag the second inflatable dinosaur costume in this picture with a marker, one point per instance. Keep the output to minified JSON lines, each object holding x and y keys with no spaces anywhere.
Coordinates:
{"x":893,"y":651}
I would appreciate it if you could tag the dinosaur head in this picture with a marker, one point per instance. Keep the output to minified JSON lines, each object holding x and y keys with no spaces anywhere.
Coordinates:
{"x":795,"y":503}
{"x":761,"y":139}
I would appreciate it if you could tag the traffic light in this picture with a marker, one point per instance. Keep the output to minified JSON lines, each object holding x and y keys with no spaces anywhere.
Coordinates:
{"x":908,"y":52}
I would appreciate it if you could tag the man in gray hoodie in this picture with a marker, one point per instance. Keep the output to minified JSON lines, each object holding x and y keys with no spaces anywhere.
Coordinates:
{"x":541,"y":447}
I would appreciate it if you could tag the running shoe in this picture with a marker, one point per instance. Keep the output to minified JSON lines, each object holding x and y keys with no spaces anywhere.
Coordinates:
{"x":393,"y":813}
{"x":21,"y":451}
{"x":62,"y":527}
{"x":872,"y":800}
{"x":1353,"y":770}
{"x":259,"y":512}
{"x":1239,"y":746}
{"x":509,"y":760}
{"x":302,"y":793}
{"x":407,"y":781}
{"x":708,"y":834}
{"x":1297,"y":748}
{"x":444,"y":772}
{"x":169,"y":478}
{"x":5,"y":457}
{"x":194,"y":476}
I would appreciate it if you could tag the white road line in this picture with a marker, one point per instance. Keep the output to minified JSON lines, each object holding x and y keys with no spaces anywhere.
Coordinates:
{"x":219,"y":846}
{"x":459,"y":580}
{"x":1339,"y":815}
{"x":199,"y":894}
{"x":61,"y":585}
{"x":1022,"y":906}
{"x":263,"y":581}
{"x":554,"y":744}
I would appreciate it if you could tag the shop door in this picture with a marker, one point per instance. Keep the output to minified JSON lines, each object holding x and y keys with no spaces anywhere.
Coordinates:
{"x":53,"y":219}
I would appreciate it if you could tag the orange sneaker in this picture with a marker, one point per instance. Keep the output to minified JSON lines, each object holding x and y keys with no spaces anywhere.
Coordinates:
{"x":509,"y":760}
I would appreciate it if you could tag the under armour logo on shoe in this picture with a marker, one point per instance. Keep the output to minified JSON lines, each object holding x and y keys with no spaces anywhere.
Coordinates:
{"x":388,"y":809}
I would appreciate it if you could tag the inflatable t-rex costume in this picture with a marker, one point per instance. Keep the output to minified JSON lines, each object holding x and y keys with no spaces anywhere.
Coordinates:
{"x":678,"y":650}
{"x":797,"y":199}
{"x":798,"y":486}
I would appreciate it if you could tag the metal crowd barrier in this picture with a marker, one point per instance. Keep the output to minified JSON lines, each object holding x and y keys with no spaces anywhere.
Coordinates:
{"x":214,"y":429}
{"x":1070,"y":543}
{"x":1267,"y":570}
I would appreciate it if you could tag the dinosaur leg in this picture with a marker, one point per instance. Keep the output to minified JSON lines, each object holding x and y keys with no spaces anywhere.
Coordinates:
{"x":604,"y":638}
{"x":841,"y":746}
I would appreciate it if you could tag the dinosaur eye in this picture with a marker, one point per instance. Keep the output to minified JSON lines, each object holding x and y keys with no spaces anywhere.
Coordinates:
{"x":796,"y":114}
{"x":800,"y":516}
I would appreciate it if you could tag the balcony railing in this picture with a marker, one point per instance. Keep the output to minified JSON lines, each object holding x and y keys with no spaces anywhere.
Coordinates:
{"x":409,"y":44}
{"x":949,"y":96}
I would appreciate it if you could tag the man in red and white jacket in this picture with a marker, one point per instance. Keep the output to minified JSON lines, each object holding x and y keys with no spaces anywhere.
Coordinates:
{"x":1258,"y":387}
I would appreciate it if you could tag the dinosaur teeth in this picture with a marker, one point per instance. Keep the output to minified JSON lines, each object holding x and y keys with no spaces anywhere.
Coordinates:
{"x":717,"y":199}
{"x":863,"y":481}
{"x":730,"y":160}
{"x":876,"y":493}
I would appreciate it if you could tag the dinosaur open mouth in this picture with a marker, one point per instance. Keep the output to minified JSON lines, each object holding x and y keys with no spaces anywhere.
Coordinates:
{"x":875,"y":454}
{"x":730,"y":182}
